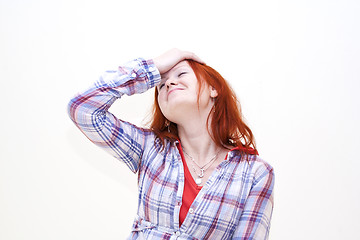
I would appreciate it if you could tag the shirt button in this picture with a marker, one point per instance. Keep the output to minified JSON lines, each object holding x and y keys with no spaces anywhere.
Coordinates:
{"x":191,"y":210}
{"x":151,"y":69}
{"x":177,"y":233}
{"x":133,"y":75}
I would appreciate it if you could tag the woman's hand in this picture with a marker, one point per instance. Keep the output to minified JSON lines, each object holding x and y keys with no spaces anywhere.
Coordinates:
{"x":170,"y":58}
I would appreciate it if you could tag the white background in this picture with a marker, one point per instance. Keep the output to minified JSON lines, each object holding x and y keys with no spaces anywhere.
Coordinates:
{"x":294,"y":65}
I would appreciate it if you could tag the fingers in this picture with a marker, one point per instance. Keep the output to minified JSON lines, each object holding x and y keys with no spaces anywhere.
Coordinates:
{"x":193,"y":56}
{"x":172,"y":57}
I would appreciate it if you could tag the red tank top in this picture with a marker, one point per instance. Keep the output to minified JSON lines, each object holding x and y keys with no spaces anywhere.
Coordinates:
{"x":191,"y":189}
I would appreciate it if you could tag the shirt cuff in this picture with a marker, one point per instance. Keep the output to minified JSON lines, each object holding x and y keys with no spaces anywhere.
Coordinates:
{"x":152,"y":73}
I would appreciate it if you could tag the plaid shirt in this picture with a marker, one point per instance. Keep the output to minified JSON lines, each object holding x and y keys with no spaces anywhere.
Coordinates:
{"x":235,"y":203}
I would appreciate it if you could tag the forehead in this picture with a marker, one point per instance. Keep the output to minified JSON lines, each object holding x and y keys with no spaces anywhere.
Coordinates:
{"x":182,"y":64}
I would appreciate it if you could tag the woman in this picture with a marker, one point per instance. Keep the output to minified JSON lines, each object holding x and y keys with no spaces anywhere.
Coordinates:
{"x":198,"y":170}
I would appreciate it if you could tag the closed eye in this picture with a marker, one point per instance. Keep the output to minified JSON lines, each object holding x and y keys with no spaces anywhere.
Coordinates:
{"x":161,"y":85}
{"x":182,"y":73}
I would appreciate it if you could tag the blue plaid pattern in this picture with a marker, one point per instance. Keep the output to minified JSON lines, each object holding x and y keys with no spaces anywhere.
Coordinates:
{"x":235,"y":203}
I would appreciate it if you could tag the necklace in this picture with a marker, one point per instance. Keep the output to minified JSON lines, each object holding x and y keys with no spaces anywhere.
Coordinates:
{"x":200,"y":175}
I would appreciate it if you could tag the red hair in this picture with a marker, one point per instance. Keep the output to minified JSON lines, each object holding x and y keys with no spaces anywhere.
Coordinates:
{"x":227,"y":126}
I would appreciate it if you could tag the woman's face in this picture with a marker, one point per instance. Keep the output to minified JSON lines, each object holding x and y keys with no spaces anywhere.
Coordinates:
{"x":178,"y":92}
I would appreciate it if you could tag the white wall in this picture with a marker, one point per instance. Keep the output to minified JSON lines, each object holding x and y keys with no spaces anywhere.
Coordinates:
{"x":294,"y":65}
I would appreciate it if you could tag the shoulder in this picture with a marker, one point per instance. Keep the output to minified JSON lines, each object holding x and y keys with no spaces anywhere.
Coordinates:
{"x":156,"y":148}
{"x":251,"y":165}
{"x":260,"y":165}
{"x":253,"y":160}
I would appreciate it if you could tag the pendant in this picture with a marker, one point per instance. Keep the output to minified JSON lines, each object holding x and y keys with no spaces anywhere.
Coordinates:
{"x":202,"y":173}
{"x":198,"y":181}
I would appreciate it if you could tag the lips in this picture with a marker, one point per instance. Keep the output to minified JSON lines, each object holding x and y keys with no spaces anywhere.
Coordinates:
{"x":174,"y":89}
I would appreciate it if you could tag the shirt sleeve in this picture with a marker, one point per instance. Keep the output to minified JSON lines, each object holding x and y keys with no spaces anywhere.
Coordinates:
{"x":254,"y":222}
{"x":89,"y":110}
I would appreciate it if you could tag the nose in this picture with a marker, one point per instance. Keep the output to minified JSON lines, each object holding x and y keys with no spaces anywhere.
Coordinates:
{"x":171,"y":82}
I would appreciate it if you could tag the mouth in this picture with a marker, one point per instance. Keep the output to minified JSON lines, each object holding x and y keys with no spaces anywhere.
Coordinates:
{"x":173,"y":90}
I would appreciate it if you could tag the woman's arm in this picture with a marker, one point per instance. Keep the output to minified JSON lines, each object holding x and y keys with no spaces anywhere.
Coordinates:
{"x":255,"y":220}
{"x":89,"y":110}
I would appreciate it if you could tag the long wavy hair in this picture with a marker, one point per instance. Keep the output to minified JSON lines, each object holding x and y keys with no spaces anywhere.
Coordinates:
{"x":227,"y":127}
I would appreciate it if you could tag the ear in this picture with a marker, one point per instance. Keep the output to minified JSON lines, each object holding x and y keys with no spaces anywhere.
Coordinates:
{"x":213,"y":92}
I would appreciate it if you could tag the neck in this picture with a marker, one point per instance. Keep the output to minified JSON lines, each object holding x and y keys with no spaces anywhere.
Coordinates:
{"x":197,"y":142}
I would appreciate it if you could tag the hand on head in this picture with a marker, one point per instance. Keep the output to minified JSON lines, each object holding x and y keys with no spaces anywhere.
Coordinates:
{"x":169,"y":59}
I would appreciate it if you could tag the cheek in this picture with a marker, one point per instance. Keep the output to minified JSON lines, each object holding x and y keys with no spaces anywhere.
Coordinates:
{"x":161,"y":101}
